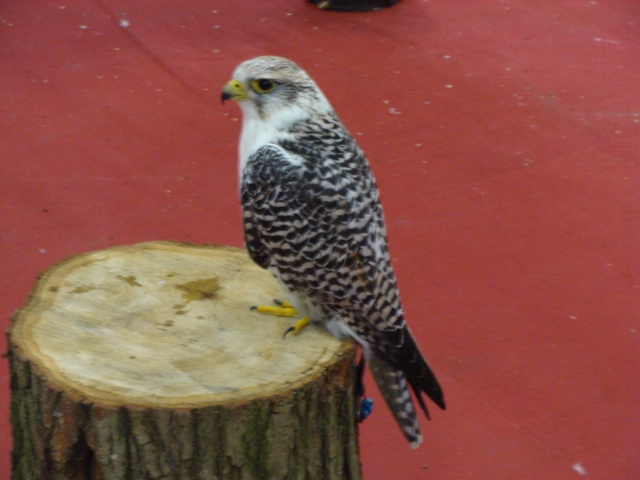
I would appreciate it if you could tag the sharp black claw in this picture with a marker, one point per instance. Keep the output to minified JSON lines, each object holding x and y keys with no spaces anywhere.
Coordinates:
{"x":287,"y":331}
{"x":253,"y":307}
{"x":277,"y":302}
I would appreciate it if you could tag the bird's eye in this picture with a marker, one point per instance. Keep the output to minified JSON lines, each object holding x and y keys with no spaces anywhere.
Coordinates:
{"x":263,"y":85}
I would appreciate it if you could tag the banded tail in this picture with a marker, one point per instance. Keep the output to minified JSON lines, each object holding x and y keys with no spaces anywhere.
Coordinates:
{"x":412,"y":370}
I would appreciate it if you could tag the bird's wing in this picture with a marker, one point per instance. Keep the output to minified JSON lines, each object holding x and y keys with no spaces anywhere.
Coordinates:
{"x":320,"y":225}
{"x":252,"y":239}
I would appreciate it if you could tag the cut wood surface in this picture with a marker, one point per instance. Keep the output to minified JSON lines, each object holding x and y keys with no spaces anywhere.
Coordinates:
{"x":145,"y":361}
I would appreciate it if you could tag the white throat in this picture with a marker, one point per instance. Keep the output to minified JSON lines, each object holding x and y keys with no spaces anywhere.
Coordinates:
{"x":257,"y":132}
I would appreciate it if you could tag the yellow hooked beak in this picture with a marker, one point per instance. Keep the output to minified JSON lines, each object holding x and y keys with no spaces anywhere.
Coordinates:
{"x":234,"y":91}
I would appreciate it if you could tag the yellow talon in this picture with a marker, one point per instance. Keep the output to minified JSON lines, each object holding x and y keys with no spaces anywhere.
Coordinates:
{"x":299,"y":325}
{"x":284,"y":309}
{"x":281,"y":311}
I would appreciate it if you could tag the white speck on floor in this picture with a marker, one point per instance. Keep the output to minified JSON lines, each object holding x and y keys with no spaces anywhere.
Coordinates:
{"x":579,"y":468}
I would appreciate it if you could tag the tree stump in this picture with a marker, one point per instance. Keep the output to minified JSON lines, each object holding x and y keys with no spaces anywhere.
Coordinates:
{"x":145,"y":362}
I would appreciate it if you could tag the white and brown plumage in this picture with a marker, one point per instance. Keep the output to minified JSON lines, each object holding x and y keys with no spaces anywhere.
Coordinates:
{"x":312,"y":216}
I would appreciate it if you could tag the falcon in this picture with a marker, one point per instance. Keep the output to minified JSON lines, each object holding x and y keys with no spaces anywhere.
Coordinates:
{"x":312,"y":216}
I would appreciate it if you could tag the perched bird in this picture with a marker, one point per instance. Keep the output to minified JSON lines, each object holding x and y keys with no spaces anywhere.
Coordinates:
{"x":312,"y":216}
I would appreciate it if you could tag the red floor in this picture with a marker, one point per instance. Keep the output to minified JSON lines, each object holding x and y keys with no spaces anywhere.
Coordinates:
{"x":505,"y":136}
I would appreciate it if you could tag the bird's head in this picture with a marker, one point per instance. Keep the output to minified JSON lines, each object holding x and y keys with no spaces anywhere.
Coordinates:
{"x":269,"y":87}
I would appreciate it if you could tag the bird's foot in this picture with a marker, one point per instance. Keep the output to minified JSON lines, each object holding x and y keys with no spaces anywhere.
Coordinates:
{"x":297,"y":328}
{"x":283,"y":308}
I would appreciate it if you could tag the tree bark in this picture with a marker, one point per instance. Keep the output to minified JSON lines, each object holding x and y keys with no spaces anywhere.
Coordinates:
{"x":146,"y":362}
